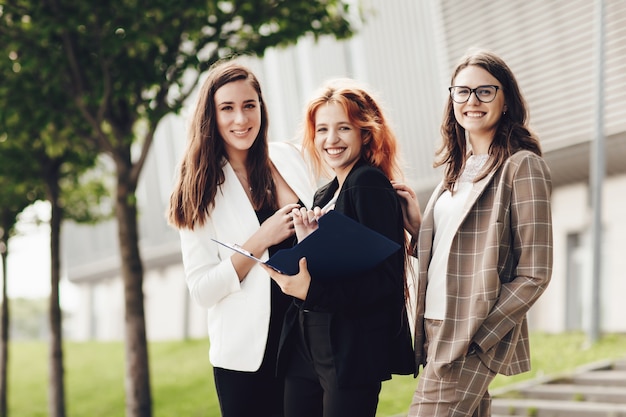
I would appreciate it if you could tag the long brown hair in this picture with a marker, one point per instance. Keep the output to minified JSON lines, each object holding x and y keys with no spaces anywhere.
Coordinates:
{"x":380,"y":145}
{"x":512,"y":133}
{"x":201,"y":169}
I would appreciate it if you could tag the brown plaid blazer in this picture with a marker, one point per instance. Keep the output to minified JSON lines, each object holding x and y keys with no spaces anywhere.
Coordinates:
{"x":500,"y":262}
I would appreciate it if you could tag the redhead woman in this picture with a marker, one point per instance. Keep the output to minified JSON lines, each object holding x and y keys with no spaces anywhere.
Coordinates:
{"x":342,"y":337}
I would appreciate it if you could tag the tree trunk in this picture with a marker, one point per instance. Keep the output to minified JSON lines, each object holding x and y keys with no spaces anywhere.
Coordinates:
{"x":4,"y":349}
{"x":138,"y":397}
{"x":56,"y":393}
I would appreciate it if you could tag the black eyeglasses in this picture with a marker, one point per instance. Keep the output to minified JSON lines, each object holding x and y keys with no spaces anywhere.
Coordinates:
{"x":484,"y":93}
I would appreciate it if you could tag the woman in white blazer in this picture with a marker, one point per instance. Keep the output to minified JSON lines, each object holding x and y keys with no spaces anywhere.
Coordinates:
{"x":235,"y":187}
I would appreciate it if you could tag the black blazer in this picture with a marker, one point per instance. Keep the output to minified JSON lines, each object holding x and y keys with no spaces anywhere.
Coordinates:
{"x":369,"y":334}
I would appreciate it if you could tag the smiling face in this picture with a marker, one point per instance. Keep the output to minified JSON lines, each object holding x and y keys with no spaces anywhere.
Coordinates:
{"x":479,"y":119}
{"x":337,"y":141}
{"x":238,"y":114}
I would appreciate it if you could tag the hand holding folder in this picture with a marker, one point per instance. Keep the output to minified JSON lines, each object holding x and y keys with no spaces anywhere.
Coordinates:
{"x":339,"y":247}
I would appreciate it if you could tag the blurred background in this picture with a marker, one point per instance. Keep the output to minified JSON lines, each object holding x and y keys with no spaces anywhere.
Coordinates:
{"x":405,"y":51}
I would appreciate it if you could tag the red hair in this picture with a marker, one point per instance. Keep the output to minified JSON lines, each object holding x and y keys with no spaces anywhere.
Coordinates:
{"x":380,"y":145}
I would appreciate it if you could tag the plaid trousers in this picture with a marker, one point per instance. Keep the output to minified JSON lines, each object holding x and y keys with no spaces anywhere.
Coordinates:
{"x":458,"y":389}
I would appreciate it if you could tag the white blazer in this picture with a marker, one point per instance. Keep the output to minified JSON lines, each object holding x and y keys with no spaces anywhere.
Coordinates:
{"x":238,"y":312}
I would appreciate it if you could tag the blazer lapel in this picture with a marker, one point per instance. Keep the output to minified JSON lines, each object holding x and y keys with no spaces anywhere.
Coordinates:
{"x":428,"y":222}
{"x":477,"y":190}
{"x":233,"y":214}
{"x":427,"y":229}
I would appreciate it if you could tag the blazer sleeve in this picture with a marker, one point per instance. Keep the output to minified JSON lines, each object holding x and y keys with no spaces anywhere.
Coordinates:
{"x":290,"y":162}
{"x":209,"y":278}
{"x":531,"y":240}
{"x":369,"y":199}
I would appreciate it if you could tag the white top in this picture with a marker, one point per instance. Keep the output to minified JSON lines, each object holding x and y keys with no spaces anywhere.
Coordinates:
{"x":447,"y":215}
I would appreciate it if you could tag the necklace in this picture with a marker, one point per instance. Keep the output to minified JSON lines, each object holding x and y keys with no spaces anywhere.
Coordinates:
{"x":243,"y":179}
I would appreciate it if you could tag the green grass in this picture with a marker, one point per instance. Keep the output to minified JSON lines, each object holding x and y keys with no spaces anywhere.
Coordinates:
{"x":182,"y":382}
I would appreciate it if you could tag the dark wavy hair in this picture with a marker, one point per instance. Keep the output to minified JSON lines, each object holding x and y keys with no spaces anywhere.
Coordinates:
{"x":512,"y":132}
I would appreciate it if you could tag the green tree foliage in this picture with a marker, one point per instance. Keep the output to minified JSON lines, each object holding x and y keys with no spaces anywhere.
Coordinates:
{"x":122,"y":66}
{"x":43,"y":143}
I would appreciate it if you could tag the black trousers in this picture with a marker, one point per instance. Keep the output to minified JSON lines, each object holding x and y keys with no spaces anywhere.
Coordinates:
{"x":245,"y":394}
{"x":311,"y":386}
{"x":260,"y":393}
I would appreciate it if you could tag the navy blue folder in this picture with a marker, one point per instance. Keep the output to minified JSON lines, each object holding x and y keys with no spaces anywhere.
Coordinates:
{"x":339,"y":247}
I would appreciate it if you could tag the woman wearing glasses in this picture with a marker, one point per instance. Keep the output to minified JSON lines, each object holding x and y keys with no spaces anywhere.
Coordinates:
{"x":484,"y":245}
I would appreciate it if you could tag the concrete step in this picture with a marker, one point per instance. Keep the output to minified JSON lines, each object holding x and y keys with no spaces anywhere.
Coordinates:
{"x":547,"y":408}
{"x":604,"y":378}
{"x":576,"y":392}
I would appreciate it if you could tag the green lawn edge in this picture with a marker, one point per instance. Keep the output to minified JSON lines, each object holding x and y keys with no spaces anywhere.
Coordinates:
{"x":182,"y":382}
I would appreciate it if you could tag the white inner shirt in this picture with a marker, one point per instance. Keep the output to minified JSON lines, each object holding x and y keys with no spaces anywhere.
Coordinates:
{"x":447,"y":215}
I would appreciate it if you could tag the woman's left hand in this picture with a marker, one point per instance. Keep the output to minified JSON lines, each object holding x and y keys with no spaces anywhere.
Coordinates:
{"x":411,"y":211}
{"x":295,"y":285}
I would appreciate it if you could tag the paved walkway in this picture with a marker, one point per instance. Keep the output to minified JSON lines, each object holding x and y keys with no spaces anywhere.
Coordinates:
{"x":597,"y":390}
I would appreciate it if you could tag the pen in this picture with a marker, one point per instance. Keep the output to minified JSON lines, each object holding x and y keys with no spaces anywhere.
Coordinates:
{"x":327,"y":207}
